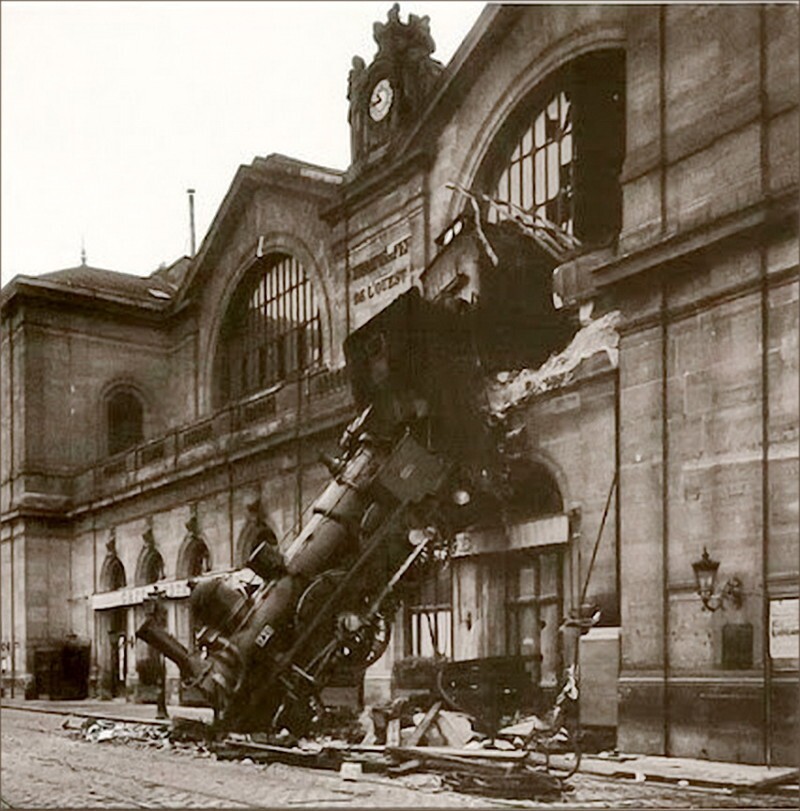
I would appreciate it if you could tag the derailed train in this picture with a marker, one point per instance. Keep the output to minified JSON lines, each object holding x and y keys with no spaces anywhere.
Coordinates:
{"x":326,"y":603}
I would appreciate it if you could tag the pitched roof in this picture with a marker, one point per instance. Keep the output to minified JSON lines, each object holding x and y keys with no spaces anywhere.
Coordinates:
{"x":274,"y":170}
{"x":98,"y":280}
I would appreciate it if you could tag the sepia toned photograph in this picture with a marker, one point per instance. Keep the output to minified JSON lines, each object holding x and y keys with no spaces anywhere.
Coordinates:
{"x":399,"y":405}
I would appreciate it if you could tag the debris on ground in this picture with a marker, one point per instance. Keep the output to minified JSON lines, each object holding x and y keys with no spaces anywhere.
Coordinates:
{"x":527,"y":784}
{"x":524,"y":727}
{"x":98,"y":730}
{"x":432,"y":747}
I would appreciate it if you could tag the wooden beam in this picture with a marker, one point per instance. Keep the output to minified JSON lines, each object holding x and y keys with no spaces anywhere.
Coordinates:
{"x":424,"y":725}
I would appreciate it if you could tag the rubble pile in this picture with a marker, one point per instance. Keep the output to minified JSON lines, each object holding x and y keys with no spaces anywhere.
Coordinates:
{"x":181,"y":733}
{"x":402,"y":740}
{"x":436,"y":748}
{"x":98,"y":730}
{"x":512,"y":388}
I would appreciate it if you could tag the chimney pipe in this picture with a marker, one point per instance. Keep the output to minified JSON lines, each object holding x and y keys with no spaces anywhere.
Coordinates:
{"x":190,"y":192}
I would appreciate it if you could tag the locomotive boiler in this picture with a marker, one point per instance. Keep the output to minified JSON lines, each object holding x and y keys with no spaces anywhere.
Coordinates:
{"x":325,"y":605}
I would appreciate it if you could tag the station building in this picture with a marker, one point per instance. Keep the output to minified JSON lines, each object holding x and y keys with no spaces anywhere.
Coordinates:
{"x":155,"y":428}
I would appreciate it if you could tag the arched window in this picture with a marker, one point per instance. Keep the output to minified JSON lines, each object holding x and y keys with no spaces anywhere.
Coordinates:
{"x":151,"y":568}
{"x":559,"y":156}
{"x":124,"y":421}
{"x":272,"y":329}
{"x":195,"y":559}
{"x":113,"y":575}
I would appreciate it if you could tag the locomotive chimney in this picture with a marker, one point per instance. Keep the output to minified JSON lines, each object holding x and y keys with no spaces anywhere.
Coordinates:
{"x":191,"y":667}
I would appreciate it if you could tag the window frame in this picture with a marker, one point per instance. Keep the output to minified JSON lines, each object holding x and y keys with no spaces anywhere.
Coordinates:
{"x":595,"y":83}
{"x":547,"y":669}
{"x":123,"y":444}
{"x":534,"y":143}
{"x":423,"y":614}
{"x":258,"y":351}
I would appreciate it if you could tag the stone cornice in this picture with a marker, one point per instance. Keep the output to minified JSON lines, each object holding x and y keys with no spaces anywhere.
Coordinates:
{"x":771,"y":212}
{"x":21,"y":288}
{"x":374,"y":182}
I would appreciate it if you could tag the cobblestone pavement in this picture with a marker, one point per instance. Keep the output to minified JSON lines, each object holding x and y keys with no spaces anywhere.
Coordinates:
{"x":45,"y":766}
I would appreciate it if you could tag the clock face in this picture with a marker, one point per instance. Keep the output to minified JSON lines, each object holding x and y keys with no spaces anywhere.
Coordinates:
{"x":380,"y":100}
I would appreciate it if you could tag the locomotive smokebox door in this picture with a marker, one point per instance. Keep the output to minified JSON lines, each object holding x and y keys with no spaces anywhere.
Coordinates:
{"x":411,"y":472}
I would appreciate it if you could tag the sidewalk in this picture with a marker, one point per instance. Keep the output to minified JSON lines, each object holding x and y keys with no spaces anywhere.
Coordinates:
{"x":639,"y":768}
{"x":696,"y":772}
{"x":117,"y":709}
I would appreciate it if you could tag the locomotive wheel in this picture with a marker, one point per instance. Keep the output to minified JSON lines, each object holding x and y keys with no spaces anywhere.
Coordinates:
{"x":357,"y":642}
{"x":365,"y":642}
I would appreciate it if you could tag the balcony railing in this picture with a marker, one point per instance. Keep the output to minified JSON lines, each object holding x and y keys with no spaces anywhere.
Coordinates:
{"x":272,"y":414}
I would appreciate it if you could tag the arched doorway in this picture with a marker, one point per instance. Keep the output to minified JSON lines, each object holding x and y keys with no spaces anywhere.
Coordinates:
{"x":113,"y":642}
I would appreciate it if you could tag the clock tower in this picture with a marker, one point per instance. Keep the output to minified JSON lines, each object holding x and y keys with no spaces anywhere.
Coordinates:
{"x":387,"y":96}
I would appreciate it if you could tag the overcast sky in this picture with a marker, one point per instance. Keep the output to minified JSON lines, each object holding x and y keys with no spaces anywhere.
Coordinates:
{"x":111,"y":110}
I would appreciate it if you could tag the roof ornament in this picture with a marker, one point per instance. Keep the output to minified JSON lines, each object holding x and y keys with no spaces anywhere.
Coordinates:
{"x":83,"y":253}
{"x":395,"y":38}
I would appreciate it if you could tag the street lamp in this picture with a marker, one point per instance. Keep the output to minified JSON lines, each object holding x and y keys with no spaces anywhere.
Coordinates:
{"x":705,"y":573}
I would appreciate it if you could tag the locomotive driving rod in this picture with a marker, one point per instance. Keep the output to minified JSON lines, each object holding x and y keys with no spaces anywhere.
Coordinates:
{"x":374,"y":609}
{"x":324,"y":612}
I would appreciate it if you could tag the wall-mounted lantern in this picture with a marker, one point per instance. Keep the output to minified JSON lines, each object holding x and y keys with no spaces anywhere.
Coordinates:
{"x":705,"y":573}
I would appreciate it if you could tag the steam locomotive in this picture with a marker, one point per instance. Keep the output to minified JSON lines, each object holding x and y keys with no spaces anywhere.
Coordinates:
{"x":416,"y":370}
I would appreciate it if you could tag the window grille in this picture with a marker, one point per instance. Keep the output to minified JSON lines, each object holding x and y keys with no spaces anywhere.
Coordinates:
{"x":274,"y":331}
{"x":430,"y":616}
{"x":539,"y":175}
{"x":560,"y":154}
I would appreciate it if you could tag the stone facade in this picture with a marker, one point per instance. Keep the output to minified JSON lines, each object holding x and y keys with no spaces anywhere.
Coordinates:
{"x":694,"y":414}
